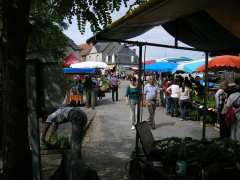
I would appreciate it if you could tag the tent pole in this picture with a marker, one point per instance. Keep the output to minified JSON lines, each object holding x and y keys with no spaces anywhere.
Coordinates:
{"x":139,"y":101}
{"x":205,"y":97}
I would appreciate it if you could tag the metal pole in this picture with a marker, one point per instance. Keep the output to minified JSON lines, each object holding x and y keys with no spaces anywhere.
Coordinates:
{"x":139,"y":101}
{"x":205,"y":97}
{"x":151,"y":44}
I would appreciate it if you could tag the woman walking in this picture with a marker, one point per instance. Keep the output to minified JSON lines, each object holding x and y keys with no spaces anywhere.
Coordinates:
{"x":132,"y":97}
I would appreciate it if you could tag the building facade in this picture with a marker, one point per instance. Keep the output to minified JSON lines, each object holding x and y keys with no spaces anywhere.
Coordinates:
{"x":112,"y":53}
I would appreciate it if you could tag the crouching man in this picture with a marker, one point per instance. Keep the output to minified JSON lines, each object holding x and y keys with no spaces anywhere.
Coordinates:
{"x":62,"y":115}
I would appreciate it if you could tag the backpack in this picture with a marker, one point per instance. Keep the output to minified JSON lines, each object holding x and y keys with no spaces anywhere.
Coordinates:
{"x":230,"y":116}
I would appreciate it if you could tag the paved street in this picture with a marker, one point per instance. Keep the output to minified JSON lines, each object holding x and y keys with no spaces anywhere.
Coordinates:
{"x":110,"y":140}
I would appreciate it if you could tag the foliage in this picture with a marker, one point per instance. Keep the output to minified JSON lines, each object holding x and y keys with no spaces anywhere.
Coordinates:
{"x":200,"y":100}
{"x":203,"y":153}
{"x":96,"y":12}
{"x":46,"y":37}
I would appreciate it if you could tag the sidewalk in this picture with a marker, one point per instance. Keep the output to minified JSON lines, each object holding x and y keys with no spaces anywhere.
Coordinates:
{"x":109,"y":141}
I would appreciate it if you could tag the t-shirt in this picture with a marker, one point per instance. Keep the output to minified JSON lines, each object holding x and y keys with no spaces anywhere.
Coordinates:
{"x":185,"y":94}
{"x":220,"y":98}
{"x":133,"y":93}
{"x":175,"y":90}
{"x":150,"y":91}
{"x":60,"y":115}
{"x":114,"y":81}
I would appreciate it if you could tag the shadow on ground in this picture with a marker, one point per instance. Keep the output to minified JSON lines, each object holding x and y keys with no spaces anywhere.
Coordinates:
{"x":165,"y":124}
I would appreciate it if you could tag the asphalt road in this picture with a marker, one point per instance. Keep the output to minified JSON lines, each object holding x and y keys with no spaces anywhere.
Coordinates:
{"x":109,"y":141}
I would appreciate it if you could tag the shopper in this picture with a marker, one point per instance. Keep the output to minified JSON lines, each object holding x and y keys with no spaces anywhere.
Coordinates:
{"x":220,"y":98}
{"x":174,"y":90}
{"x":184,"y":100}
{"x":132,"y":97}
{"x":64,"y":114}
{"x":114,"y":86}
{"x":150,"y":97}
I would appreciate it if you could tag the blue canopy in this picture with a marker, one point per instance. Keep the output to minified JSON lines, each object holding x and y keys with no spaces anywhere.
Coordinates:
{"x":79,"y":70}
{"x":192,"y":66}
{"x":161,"y":67}
{"x":177,"y":59}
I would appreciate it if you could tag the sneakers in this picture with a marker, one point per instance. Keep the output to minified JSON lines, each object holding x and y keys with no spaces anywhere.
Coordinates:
{"x":133,"y":127}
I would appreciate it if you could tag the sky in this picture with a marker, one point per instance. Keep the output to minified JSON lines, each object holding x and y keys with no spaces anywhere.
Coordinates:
{"x":155,"y":35}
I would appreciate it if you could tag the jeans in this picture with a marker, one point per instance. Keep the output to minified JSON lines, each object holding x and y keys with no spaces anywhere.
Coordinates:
{"x":114,"y":90}
{"x":184,"y":104}
{"x":151,"y":110}
{"x":91,"y":98}
{"x":133,"y":105}
{"x":88,"y":97}
{"x":174,"y":106}
{"x":168,"y":104}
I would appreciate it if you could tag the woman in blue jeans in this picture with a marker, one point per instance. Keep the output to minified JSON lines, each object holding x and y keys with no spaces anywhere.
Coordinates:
{"x":132,"y":97}
{"x":174,"y":97}
{"x":184,"y":100}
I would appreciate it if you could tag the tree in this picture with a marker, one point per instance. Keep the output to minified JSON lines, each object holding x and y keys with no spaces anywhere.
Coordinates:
{"x":17,"y":17}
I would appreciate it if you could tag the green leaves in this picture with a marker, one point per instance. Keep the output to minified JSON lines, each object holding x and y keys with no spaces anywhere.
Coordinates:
{"x":96,"y":12}
{"x":46,"y":37}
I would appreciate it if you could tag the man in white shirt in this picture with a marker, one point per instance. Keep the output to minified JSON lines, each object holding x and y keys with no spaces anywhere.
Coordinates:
{"x":150,"y":97}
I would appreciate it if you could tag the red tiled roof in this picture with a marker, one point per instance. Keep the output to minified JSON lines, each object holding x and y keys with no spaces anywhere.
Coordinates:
{"x":85,"y":49}
{"x":71,"y":59}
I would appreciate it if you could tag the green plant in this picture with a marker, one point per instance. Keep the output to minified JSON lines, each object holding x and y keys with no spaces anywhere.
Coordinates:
{"x":57,"y":142}
{"x":224,"y":152}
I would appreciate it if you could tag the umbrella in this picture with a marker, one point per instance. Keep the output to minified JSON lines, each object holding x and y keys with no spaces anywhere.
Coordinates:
{"x":150,"y":61}
{"x":225,"y":62}
{"x":70,"y":59}
{"x":175,"y":59}
{"x":79,"y":70}
{"x":90,"y":64}
{"x":191,"y":66}
{"x":161,"y":67}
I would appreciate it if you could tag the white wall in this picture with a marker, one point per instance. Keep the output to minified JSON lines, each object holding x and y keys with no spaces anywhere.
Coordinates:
{"x":94,"y":55}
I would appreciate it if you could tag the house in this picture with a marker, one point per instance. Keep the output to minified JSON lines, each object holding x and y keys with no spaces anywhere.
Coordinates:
{"x":84,"y":50}
{"x":112,"y":53}
{"x":73,"y":48}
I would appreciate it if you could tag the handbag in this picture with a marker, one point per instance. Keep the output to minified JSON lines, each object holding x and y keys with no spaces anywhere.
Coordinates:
{"x":230,"y":116}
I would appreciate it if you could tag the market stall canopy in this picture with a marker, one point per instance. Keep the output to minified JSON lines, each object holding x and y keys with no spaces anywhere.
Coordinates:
{"x":225,"y":62}
{"x":79,"y":70}
{"x":175,"y":59}
{"x":161,"y":67}
{"x":190,"y":67}
{"x":90,"y":64}
{"x":203,"y":24}
{"x":70,"y":59}
{"x":150,"y":61}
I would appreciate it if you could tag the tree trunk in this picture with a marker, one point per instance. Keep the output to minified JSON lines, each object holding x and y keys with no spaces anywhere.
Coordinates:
{"x":17,"y":156}
{"x":1,"y":59}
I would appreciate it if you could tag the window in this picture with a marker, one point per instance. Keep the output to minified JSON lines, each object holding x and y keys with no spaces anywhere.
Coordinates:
{"x":113,"y":58}
{"x":132,"y":59}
